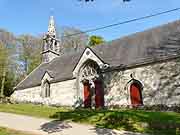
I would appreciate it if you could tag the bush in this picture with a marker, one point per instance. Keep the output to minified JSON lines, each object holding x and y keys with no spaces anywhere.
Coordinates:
{"x":5,"y":100}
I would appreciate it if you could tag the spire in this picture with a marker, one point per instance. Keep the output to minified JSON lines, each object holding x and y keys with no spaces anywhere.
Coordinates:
{"x":51,"y":46}
{"x":51,"y":27}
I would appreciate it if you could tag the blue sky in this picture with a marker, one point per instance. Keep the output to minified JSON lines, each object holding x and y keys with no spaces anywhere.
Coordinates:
{"x":31,"y":16}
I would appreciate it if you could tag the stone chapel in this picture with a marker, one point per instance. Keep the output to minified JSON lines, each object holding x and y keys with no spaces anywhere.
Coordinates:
{"x":136,"y":70}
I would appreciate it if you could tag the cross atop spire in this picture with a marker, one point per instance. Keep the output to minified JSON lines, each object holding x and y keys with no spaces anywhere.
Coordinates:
{"x":51,"y":27}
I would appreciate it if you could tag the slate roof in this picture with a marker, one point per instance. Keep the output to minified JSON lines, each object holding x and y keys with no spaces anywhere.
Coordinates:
{"x":152,"y":45}
{"x":156,"y":43}
{"x":59,"y":68}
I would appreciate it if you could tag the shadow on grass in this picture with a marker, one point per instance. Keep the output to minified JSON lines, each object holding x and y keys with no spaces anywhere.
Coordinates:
{"x":103,"y":131}
{"x":55,"y":126}
{"x":159,"y":123}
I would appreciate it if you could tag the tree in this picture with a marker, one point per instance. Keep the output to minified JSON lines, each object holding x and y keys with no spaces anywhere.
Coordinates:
{"x":7,"y":49}
{"x":70,"y":42}
{"x":30,"y":52}
{"x":3,"y":66}
{"x":7,"y":72}
{"x":10,"y":82}
{"x":15,"y":53}
{"x":95,"y":40}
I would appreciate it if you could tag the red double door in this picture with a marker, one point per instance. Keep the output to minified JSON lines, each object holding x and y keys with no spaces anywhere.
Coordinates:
{"x":87,"y":95}
{"x":99,"y":94}
{"x":136,"y":97}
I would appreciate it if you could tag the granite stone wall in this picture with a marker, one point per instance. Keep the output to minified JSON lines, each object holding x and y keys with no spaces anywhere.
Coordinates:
{"x":160,"y":81}
{"x":160,"y":85}
{"x":62,"y":94}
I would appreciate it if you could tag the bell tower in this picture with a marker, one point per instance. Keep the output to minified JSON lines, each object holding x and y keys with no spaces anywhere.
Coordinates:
{"x":51,"y":45}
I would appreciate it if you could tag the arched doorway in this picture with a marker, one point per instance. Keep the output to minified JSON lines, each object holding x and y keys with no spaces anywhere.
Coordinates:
{"x":93,"y":91}
{"x":135,"y":94}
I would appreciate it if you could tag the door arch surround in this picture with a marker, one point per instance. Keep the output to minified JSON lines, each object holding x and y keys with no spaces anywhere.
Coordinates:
{"x":135,"y":91}
{"x":91,"y":85}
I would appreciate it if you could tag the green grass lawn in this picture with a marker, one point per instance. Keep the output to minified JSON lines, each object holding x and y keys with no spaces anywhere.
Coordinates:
{"x":31,"y":110}
{"x":5,"y":131}
{"x":160,"y":123}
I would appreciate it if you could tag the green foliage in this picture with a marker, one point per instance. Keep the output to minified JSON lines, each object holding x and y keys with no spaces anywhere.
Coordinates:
{"x":7,"y":62}
{"x":3,"y":57}
{"x":4,"y":61}
{"x":9,"y":84}
{"x":130,"y":120}
{"x":32,"y":110}
{"x":95,"y":40}
{"x":30,"y":52}
{"x":156,"y":123}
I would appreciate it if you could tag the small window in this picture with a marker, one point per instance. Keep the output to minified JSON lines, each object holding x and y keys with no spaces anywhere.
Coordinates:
{"x":47,"y":89}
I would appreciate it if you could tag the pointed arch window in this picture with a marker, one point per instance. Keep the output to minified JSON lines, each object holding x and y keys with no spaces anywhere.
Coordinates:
{"x":90,"y":70}
{"x":46,"y":89}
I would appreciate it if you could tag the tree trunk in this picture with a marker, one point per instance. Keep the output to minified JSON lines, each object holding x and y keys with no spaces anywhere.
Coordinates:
{"x":3,"y":82}
{"x":26,"y":67}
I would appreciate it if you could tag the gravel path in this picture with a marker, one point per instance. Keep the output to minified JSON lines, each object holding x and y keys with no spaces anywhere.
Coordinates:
{"x":52,"y":127}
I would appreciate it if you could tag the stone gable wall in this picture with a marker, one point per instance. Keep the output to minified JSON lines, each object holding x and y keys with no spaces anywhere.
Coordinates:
{"x":161,"y":84}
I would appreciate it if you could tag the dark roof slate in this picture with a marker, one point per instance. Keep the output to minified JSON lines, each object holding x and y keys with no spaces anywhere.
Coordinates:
{"x":150,"y":45}
{"x":59,"y":68}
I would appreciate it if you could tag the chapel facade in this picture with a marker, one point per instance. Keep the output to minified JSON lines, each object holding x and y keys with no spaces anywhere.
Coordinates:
{"x":136,"y":70}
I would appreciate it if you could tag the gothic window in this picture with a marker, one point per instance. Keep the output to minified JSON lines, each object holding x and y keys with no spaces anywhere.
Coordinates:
{"x":56,"y":46}
{"x":90,"y":71}
{"x":47,"y":44}
{"x":46,"y":89}
{"x":43,"y":47}
{"x":51,"y":44}
{"x":45,"y":58}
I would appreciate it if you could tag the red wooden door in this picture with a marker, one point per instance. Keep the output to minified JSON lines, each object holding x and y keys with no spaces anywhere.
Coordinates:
{"x":99,"y":94}
{"x":136,"y":98}
{"x":87,"y":95}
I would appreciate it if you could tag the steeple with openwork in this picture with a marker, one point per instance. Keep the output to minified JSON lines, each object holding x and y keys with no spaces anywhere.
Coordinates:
{"x":51,"y":45}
